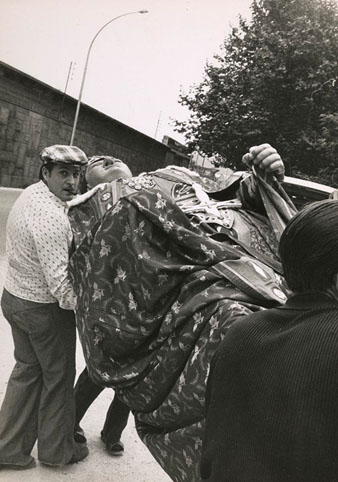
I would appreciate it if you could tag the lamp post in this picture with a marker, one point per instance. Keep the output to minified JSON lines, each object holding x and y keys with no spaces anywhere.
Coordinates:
{"x":86,"y":65}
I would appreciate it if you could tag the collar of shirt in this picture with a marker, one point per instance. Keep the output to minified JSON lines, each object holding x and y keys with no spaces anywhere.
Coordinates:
{"x":308,"y":301}
{"x":57,"y":201}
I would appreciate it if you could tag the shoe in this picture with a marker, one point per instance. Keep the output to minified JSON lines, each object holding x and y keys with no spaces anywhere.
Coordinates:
{"x":79,"y":435}
{"x":31,"y":465}
{"x":115,"y":448}
{"x":80,"y":452}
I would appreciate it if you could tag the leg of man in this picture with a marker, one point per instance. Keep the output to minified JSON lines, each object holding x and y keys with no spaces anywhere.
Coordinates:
{"x":86,"y":391}
{"x":38,"y":402}
{"x":115,"y":423}
{"x":19,"y":411}
{"x":57,"y":406}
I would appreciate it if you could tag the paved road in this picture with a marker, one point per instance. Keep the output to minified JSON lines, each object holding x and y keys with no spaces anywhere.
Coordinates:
{"x":136,"y":465}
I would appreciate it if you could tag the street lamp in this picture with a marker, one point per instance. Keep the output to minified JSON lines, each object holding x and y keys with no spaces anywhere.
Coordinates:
{"x":86,"y":65}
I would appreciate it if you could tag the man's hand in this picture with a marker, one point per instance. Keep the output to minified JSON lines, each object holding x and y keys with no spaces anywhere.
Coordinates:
{"x":81,"y":198}
{"x":265,"y":157}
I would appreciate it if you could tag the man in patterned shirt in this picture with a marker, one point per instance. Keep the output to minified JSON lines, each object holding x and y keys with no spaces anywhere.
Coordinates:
{"x":38,"y":301}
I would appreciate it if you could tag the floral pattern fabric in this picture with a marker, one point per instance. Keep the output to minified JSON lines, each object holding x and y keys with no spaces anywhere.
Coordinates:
{"x":156,"y":295}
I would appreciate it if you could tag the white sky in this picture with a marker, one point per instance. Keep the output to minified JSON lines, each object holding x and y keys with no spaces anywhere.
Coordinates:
{"x":138,"y":63}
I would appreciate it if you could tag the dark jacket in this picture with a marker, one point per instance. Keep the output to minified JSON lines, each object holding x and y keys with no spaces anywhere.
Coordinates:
{"x":272,"y":397}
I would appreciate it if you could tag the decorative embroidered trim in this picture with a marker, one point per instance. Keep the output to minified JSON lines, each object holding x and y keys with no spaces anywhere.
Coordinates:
{"x":139,"y":182}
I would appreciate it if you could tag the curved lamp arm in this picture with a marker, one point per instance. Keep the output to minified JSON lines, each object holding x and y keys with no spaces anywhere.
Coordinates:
{"x":86,"y":65}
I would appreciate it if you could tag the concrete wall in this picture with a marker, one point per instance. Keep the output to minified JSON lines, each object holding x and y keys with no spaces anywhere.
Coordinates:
{"x":33,"y":115}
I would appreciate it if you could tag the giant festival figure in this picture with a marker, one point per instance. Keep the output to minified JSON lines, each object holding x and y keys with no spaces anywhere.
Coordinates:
{"x":165,"y":265}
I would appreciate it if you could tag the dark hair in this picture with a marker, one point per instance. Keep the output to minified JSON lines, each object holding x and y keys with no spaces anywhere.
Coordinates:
{"x":83,"y":185}
{"x":49,"y":166}
{"x":309,"y":247}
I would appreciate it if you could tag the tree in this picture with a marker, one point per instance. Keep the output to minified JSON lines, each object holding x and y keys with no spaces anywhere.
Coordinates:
{"x":275,"y":80}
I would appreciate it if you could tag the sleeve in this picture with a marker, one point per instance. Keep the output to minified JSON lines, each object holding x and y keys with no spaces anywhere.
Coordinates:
{"x":81,"y":198}
{"x":228,"y":356}
{"x":223,"y":389}
{"x":249,"y":193}
{"x":52,"y":237}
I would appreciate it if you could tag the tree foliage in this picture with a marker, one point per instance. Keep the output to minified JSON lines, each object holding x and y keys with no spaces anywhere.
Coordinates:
{"x":275,"y":80}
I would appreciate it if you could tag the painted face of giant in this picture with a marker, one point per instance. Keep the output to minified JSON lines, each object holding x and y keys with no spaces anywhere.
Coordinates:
{"x":105,"y":169}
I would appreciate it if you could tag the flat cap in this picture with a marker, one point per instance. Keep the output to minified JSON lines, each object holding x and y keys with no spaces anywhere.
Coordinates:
{"x":65,"y":154}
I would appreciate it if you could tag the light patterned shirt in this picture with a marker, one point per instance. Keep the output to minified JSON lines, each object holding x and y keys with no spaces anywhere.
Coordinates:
{"x":37,"y":246}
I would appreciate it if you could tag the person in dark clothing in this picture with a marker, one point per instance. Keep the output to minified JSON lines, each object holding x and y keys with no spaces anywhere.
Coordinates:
{"x":273,"y":386}
{"x":86,"y":391}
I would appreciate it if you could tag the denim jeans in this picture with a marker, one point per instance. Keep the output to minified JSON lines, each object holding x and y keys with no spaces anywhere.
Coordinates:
{"x":86,"y":391}
{"x":39,"y":400}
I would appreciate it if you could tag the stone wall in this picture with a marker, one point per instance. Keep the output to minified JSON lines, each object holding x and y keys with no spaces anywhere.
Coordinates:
{"x":33,"y":115}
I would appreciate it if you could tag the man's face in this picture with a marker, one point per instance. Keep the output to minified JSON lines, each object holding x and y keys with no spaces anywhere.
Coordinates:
{"x":62,"y":180}
{"x":106,"y":170}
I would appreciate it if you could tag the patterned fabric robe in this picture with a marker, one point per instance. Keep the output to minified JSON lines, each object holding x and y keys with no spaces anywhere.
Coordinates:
{"x":156,"y":295}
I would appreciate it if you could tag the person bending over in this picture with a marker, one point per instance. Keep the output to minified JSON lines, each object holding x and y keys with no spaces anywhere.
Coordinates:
{"x":271,"y":402}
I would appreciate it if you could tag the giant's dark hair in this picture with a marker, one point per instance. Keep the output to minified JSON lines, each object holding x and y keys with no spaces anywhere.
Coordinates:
{"x":309,"y":247}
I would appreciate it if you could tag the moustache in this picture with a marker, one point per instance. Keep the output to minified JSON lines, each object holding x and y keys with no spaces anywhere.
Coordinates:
{"x":70,"y":190}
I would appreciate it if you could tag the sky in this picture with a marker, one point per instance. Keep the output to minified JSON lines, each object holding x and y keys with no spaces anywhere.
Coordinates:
{"x":138,"y":64}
